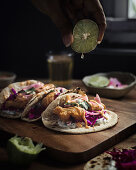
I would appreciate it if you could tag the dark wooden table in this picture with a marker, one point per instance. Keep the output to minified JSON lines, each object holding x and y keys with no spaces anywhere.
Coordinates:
{"x":47,"y":162}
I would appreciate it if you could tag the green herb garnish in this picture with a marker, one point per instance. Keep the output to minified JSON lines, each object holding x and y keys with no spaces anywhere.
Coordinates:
{"x":31,"y":90}
{"x":28,"y":91}
{"x":70,"y":104}
{"x":84,"y":104}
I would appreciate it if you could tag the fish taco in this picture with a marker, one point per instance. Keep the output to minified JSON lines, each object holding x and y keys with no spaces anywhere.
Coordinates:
{"x":75,"y":113}
{"x":15,"y":97}
{"x":33,"y":111}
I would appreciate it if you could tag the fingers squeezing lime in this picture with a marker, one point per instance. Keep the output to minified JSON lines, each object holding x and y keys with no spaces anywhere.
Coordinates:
{"x":22,"y":151}
{"x":85,"y":35}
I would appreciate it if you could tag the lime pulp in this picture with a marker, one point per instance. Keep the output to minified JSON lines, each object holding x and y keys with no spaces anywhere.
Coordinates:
{"x":22,"y":151}
{"x":98,"y":81}
{"x":85,"y":35}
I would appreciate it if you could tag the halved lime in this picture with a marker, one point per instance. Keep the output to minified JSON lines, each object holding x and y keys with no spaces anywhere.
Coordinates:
{"x":22,"y":151}
{"x":85,"y":35}
{"x":98,"y":81}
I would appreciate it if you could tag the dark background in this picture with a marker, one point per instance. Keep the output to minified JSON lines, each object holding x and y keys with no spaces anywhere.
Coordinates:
{"x":26,"y":35}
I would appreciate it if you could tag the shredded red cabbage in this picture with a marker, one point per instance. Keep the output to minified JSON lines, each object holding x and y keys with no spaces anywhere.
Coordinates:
{"x":12,"y":96}
{"x":125,"y":159}
{"x":13,"y":90}
{"x":91,"y":119}
{"x":36,"y":111}
{"x":56,"y":95}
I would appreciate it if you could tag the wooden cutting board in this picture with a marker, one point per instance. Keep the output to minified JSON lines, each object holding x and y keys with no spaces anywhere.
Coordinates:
{"x":77,"y":148}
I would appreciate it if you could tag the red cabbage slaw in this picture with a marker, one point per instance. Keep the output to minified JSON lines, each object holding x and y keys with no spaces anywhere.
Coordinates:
{"x":35,"y":112}
{"x":125,"y":159}
{"x":12,"y":96}
{"x":92,"y":117}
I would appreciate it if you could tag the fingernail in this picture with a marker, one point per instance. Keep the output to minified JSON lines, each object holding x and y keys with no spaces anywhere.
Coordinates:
{"x":67,"y":40}
{"x":99,"y":42}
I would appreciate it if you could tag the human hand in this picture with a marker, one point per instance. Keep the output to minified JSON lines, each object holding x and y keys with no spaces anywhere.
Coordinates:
{"x":65,"y":14}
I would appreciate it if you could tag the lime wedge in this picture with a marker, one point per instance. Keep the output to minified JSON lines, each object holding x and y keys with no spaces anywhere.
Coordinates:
{"x":98,"y":81}
{"x":22,"y":151}
{"x":85,"y":35}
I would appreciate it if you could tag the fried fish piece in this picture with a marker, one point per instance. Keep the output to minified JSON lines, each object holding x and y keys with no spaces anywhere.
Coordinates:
{"x":46,"y":87}
{"x":19,"y":102}
{"x":65,"y":113}
{"x":48,"y":99}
